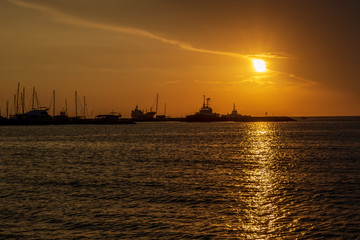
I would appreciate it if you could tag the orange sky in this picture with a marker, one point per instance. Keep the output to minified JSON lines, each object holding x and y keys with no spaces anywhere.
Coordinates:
{"x":121,"y":53}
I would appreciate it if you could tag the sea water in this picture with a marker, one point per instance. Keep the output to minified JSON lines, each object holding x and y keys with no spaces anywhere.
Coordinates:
{"x":176,"y":180}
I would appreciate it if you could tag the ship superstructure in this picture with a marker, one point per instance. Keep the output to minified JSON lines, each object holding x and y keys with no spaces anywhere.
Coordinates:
{"x":205,"y":113}
{"x":138,"y":114}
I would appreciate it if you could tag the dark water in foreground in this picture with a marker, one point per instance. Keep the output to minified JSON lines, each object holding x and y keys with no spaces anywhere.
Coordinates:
{"x":181,"y":181}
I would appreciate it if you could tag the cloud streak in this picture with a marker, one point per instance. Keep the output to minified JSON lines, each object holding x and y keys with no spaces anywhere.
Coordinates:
{"x":276,"y":78}
{"x":75,"y":21}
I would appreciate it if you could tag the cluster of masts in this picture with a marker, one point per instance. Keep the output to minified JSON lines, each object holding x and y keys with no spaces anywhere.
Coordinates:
{"x":19,"y":107}
{"x":81,"y":110}
{"x":19,"y":104}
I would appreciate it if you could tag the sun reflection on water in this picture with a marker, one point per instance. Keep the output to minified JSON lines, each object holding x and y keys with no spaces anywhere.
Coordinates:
{"x":258,"y":211}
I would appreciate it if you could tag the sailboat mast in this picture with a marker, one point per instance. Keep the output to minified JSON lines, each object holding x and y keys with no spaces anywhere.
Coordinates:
{"x":37,"y":100}
{"x":65,"y":106}
{"x":7,"y":108}
{"x":23,"y":101}
{"x":165,"y":110}
{"x":14,"y":106}
{"x":84,"y":108}
{"x":53,"y":103}
{"x":157,"y":101}
{"x":76,"y":104}
{"x":33,"y":99}
{"x":17,"y":98}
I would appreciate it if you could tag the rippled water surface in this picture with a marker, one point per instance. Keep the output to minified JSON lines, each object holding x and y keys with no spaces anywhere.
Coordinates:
{"x":296,"y":180}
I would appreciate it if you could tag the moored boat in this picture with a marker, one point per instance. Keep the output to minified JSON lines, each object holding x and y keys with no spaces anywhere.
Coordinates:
{"x":35,"y":116}
{"x":235,"y":116}
{"x":205,"y":113}
{"x":140,"y":115}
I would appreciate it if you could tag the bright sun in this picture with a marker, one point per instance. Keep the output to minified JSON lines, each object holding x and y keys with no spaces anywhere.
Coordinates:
{"x":259,"y":65}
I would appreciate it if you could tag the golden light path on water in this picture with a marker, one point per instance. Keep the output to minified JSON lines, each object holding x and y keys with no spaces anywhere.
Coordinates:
{"x":259,"y":214}
{"x":226,"y":180}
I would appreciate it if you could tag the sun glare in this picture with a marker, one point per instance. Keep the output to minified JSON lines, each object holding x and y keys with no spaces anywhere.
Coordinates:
{"x":259,"y":65}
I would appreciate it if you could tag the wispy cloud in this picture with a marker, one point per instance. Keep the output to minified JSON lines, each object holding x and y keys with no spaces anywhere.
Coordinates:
{"x":270,"y":55}
{"x":269,"y":79}
{"x":275,"y":79}
{"x":75,"y":21}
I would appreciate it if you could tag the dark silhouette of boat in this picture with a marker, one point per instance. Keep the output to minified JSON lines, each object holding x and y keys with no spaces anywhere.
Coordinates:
{"x":33,"y":117}
{"x":235,"y":116}
{"x":140,"y":115}
{"x":205,"y":114}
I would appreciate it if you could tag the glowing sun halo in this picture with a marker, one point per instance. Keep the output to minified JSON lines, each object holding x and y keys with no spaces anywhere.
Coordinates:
{"x":259,"y":65}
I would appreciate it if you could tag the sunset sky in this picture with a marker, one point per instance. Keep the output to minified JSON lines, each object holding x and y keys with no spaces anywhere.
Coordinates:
{"x":121,"y":53}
